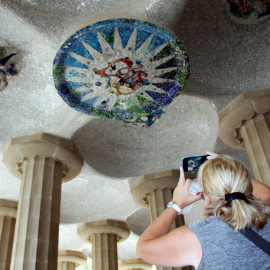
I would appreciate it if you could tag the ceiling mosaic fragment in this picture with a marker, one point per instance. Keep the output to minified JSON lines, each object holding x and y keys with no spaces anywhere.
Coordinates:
{"x":248,"y":11}
{"x":123,"y":69}
{"x":7,"y":69}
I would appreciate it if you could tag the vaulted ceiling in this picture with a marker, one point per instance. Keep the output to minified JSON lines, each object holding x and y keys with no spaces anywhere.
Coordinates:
{"x":227,"y":57}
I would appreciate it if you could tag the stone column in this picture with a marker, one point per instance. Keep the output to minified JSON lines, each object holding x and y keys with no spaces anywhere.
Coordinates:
{"x":42,"y":162}
{"x":134,"y":264}
{"x":104,"y":235}
{"x":70,"y":259}
{"x":245,"y":124}
{"x":155,"y":191}
{"x":8,"y":212}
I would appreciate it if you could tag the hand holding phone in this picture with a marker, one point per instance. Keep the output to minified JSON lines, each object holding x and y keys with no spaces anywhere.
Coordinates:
{"x":182,"y":195}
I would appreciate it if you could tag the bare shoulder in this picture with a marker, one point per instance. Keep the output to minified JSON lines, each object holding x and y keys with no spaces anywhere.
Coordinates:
{"x":190,"y":246}
{"x":260,"y":190}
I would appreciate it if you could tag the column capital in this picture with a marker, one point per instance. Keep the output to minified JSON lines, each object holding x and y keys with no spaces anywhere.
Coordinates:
{"x":109,"y":226}
{"x":8,"y":208}
{"x":150,"y":182}
{"x":136,"y":263}
{"x":45,"y":145}
{"x":234,"y":115}
{"x":76,"y":257}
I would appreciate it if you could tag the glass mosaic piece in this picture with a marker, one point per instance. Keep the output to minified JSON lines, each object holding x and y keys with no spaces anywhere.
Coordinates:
{"x":123,"y":69}
{"x":7,"y":68}
{"x":146,"y":121}
{"x":248,"y":11}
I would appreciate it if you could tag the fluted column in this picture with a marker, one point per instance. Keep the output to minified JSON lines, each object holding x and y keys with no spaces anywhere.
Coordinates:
{"x":8,"y":213}
{"x":70,"y":259}
{"x":134,"y":264}
{"x":42,"y":162}
{"x":155,"y":191}
{"x":245,"y":124}
{"x":104,"y":235}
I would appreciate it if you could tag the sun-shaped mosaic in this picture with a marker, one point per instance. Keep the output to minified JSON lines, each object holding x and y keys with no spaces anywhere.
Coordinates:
{"x":120,"y":69}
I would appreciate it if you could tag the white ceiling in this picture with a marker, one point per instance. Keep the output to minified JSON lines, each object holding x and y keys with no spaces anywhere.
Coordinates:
{"x":226,"y":59}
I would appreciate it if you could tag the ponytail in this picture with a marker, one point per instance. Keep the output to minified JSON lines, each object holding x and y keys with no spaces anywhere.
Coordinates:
{"x":225,"y":175}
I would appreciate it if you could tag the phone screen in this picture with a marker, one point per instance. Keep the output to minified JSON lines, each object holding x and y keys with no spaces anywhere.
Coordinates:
{"x":191,"y":164}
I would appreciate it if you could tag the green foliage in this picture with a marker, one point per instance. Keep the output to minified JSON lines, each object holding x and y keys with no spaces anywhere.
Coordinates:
{"x":86,"y":267}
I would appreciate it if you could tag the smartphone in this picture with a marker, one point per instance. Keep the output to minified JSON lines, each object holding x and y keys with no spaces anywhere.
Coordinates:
{"x":191,"y":164}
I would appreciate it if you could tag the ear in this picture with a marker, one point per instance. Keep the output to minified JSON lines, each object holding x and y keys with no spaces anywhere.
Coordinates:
{"x":207,"y":199}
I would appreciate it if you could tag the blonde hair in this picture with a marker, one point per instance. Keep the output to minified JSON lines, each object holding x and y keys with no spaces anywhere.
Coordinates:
{"x":225,"y":175}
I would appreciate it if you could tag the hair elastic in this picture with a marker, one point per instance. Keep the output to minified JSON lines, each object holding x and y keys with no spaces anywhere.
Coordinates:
{"x":235,"y":196}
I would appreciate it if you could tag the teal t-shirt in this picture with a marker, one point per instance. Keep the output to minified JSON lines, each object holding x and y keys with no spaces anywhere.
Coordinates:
{"x":225,"y":249}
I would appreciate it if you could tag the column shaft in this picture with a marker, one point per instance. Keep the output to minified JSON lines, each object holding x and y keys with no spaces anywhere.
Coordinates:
{"x":156,"y":191}
{"x":42,"y":161}
{"x":104,"y":251}
{"x":256,"y":135}
{"x":7,"y":227}
{"x":70,"y":259}
{"x":37,"y":227}
{"x":158,"y":200}
{"x":104,"y":235}
{"x":66,"y":266}
{"x":245,"y":124}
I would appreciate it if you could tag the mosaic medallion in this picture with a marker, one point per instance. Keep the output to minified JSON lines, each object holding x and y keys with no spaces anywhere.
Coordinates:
{"x":7,"y":68}
{"x":122,"y":69}
{"x":248,"y":11}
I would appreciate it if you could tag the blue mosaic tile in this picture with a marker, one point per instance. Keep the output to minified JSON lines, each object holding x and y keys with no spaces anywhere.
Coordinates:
{"x":170,"y":87}
{"x":121,"y":69}
{"x":147,"y":121}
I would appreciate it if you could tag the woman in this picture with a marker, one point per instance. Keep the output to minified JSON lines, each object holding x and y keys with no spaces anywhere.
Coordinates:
{"x":234,"y":201}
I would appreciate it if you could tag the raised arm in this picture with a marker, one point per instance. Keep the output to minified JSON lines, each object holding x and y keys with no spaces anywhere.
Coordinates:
{"x":177,"y":248}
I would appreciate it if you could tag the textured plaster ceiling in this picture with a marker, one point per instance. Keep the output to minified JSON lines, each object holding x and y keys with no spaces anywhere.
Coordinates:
{"x":226,"y":59}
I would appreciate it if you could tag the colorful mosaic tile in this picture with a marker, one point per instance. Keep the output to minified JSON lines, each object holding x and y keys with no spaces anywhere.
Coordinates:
{"x":121,"y":69}
{"x":6,"y":68}
{"x":146,"y":121}
{"x":250,"y":11}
